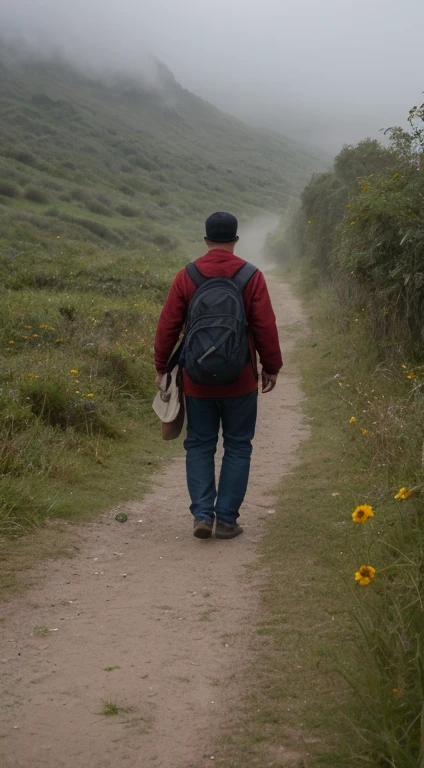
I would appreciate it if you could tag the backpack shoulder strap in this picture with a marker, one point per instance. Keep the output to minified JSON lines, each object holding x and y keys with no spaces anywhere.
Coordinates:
{"x":242,"y":277}
{"x":195,"y":274}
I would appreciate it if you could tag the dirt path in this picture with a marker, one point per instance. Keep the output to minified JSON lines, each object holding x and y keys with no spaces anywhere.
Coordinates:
{"x":252,"y":238}
{"x":147,"y":617}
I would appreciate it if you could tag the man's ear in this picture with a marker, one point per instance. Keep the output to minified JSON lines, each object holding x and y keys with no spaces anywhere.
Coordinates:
{"x":236,"y":239}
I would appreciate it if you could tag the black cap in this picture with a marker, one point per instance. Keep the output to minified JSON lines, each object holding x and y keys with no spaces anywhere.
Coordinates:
{"x":221,"y":227}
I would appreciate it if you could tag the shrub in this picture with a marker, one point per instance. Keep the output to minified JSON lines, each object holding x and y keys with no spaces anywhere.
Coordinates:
{"x":144,"y":162}
{"x":95,"y":207}
{"x":8,"y":189}
{"x":165,"y":242}
{"x":127,"y":210}
{"x":51,"y":404}
{"x":126,"y":190}
{"x":36,"y":195}
{"x":69,"y":312}
{"x":52,"y":184}
{"x":97,"y":229}
{"x":104,"y":200}
{"x":23,"y":155}
{"x":127,"y":372}
{"x":380,"y":249}
{"x":362,"y":225}
{"x":81,"y":195}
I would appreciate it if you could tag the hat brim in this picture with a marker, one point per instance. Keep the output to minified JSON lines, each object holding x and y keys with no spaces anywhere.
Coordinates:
{"x":214,"y":239}
{"x":167,"y":402}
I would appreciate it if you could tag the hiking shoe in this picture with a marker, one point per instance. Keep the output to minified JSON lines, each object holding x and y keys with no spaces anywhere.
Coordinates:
{"x":202,"y":529}
{"x":227,"y":530}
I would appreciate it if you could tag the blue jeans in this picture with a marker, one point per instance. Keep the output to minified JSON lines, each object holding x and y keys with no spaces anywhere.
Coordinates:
{"x":238,"y":418}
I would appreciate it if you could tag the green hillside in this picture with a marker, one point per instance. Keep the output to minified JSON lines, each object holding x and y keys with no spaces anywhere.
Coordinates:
{"x":162,"y":152}
{"x":104,"y":187}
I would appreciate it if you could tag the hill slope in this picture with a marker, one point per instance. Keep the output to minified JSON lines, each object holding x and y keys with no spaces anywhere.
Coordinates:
{"x":170,"y":152}
{"x":104,"y":188}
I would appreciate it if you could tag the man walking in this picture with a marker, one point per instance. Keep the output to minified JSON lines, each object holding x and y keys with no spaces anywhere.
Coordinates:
{"x":224,"y":304}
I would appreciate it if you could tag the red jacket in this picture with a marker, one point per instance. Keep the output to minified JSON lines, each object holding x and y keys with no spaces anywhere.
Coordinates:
{"x":259,"y":313}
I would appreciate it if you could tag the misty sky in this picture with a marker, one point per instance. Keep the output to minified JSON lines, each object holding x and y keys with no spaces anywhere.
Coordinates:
{"x":326,"y":71}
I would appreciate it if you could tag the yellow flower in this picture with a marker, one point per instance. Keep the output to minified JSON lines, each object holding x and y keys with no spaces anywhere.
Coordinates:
{"x":60,"y":341}
{"x":365,"y":574}
{"x":365,"y":432}
{"x":90,"y":395}
{"x":404,"y":493}
{"x":28,"y":327}
{"x":348,"y":205}
{"x":35,"y":336}
{"x":365,"y":187}
{"x":77,"y":392}
{"x":395,"y":175}
{"x":362,"y":513}
{"x":73,"y":372}
{"x":12,"y":342}
{"x":310,"y":221}
{"x":403,"y":366}
{"x":352,"y":420}
{"x":352,"y":223}
{"x":411,"y":375}
{"x":44,"y":327}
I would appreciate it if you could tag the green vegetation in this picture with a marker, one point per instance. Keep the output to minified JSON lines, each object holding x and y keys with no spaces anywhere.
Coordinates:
{"x":157,"y":154}
{"x":361,"y":225}
{"x":111,"y":709}
{"x":358,"y":236}
{"x":104,"y":187}
{"x":40,"y":631}
{"x":76,"y":378}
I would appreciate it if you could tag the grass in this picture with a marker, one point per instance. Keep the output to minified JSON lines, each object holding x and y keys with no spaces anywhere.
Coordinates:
{"x":40,"y":631}
{"x":112,"y":709}
{"x":64,"y":432}
{"x":76,"y":378}
{"x":105,"y":474}
{"x":207,"y":615}
{"x":336,"y":680}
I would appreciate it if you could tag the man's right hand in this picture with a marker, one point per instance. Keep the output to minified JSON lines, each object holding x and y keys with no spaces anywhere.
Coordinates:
{"x":269,"y":381}
{"x":158,"y":380}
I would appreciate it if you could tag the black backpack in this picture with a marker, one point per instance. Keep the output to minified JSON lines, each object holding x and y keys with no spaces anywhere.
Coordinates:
{"x":215,"y":347}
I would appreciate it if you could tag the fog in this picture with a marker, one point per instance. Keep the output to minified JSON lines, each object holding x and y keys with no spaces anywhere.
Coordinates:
{"x":326,"y":72}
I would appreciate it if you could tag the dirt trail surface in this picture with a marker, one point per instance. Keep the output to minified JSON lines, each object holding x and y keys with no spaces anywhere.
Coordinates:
{"x":146,"y":617}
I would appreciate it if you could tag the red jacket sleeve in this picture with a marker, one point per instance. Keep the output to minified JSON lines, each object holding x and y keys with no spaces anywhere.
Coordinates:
{"x":262,"y":323}
{"x":171,"y":321}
